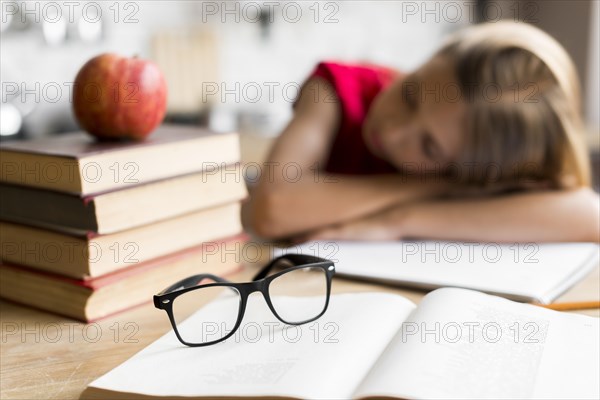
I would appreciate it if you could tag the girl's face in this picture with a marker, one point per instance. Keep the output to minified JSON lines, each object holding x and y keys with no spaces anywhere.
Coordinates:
{"x":416,"y":124}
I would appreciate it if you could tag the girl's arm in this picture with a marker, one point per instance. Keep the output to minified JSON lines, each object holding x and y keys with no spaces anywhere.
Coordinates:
{"x":549,"y":216}
{"x":294,"y":195}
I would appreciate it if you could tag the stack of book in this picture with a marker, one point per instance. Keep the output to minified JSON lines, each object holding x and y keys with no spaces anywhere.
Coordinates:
{"x":90,"y":228}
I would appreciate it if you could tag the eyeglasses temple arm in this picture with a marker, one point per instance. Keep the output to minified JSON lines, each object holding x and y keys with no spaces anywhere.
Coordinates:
{"x":294,"y":259}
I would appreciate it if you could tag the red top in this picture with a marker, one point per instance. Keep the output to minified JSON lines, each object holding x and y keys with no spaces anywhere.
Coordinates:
{"x":356,"y":86}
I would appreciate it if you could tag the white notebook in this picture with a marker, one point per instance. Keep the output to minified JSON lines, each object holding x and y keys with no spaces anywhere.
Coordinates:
{"x":457,"y":343}
{"x":522,"y":272}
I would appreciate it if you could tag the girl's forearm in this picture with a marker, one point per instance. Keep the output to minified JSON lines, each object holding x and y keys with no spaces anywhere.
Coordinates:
{"x":287,"y":208}
{"x":531,"y":217}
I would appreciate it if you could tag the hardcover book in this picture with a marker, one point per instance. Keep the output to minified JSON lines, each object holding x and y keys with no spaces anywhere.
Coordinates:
{"x":92,"y":299}
{"x":77,"y":163}
{"x":81,"y":256}
{"x":122,"y":209}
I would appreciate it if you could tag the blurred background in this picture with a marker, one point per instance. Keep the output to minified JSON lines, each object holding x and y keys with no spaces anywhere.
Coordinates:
{"x":238,"y":65}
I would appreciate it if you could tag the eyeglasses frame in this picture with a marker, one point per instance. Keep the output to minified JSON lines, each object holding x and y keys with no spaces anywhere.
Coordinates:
{"x":260,"y":283}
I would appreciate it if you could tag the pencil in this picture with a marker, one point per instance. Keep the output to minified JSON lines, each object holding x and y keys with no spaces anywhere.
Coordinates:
{"x":580,"y":305}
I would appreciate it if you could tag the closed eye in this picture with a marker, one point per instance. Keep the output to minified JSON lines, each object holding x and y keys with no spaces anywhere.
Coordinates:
{"x":429,"y":147}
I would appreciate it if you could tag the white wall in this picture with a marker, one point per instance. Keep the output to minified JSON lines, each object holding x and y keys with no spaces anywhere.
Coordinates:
{"x":398,"y":33}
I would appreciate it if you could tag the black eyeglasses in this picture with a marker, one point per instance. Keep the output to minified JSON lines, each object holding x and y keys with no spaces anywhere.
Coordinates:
{"x":303,"y":275}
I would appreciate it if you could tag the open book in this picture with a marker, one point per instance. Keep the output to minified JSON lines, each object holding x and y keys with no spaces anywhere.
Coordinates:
{"x":457,"y":343}
{"x":522,"y":272}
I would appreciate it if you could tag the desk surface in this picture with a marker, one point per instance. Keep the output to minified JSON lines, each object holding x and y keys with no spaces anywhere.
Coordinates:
{"x":46,"y":356}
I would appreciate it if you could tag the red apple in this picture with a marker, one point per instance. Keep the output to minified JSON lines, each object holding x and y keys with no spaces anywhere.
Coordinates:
{"x":117,"y":97}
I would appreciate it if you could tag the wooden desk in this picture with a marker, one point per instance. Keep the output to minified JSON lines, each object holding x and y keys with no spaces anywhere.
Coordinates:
{"x":48,"y":357}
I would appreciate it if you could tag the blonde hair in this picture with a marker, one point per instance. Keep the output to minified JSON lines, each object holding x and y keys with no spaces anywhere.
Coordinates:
{"x":529,"y":125}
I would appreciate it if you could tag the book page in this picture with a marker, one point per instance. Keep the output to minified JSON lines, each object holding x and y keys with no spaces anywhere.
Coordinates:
{"x":464,"y":344}
{"x":326,"y":358}
{"x":523,"y":272}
